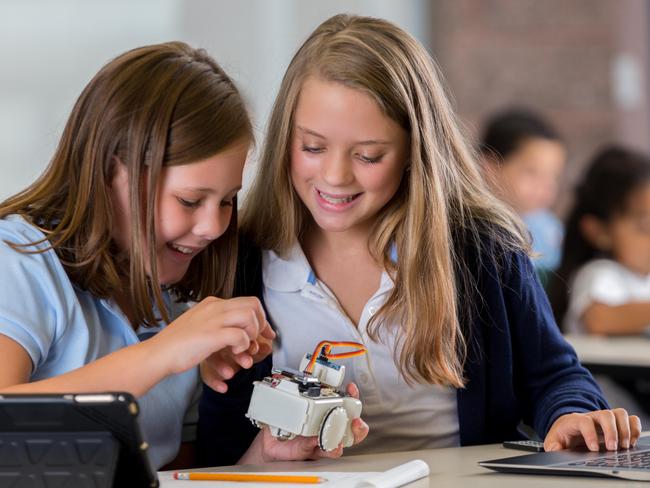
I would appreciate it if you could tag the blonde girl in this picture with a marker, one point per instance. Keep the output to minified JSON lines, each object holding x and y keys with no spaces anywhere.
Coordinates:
{"x":369,"y":221}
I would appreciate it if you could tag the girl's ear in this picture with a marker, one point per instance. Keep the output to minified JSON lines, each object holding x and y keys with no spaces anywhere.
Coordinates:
{"x":596,"y":232}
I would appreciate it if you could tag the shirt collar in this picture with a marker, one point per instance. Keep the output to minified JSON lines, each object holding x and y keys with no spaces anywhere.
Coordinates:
{"x":293,"y":272}
{"x":288,"y":273}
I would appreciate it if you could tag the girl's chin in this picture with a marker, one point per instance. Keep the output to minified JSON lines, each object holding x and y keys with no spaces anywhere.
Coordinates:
{"x":170,"y":279}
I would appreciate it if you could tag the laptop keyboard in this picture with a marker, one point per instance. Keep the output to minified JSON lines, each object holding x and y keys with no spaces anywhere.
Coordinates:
{"x":621,"y":460}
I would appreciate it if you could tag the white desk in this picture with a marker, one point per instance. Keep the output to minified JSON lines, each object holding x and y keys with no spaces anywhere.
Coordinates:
{"x":627,"y":356}
{"x":453,"y":467}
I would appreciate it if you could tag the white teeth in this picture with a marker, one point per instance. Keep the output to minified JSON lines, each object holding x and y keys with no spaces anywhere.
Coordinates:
{"x":184,"y":250}
{"x":334,"y":200}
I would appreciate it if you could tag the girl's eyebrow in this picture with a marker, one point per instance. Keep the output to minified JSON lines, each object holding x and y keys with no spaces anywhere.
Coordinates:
{"x":363,"y":143}
{"x":310,"y":132}
{"x":210,"y":190}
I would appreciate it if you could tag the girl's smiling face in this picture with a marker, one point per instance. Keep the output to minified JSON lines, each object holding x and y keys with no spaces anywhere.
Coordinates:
{"x":347,"y":157}
{"x":194,"y":204}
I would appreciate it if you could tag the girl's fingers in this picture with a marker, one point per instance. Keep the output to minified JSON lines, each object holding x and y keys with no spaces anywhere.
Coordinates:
{"x":623,"y":427}
{"x":359,"y":430}
{"x":606,"y":420}
{"x":217,"y":385}
{"x":247,"y":303}
{"x":242,"y":318}
{"x":234,"y":337}
{"x":618,"y":429}
{"x":267,"y":331}
{"x":587,"y":429}
{"x":352,"y":390}
{"x":336,"y":453}
{"x":635,"y":429}
{"x":244,"y":360}
{"x":211,"y":378}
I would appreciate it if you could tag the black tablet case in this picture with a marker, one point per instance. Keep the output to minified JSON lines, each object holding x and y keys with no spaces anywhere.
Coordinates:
{"x":58,"y":441}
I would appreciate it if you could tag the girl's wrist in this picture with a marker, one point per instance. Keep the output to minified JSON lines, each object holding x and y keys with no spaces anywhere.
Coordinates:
{"x":157,"y":358}
{"x":255,"y":452}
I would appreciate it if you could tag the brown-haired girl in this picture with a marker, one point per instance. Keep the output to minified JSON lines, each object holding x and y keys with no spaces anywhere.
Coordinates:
{"x":369,"y":221}
{"x":134,"y":216}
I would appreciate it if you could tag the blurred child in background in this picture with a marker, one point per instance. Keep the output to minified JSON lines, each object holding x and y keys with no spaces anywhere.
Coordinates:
{"x":606,"y":254}
{"x":603,"y":283}
{"x":525,"y":157}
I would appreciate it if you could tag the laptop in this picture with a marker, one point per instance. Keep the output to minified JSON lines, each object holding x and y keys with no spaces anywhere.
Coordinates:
{"x":629,"y":464}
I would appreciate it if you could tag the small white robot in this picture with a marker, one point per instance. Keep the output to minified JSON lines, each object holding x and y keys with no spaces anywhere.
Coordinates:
{"x":307,"y":402}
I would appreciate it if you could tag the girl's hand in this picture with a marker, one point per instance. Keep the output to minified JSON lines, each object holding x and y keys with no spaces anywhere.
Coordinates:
{"x":211,"y":325}
{"x":616,"y":427}
{"x":266,"y":448}
{"x":224,"y":364}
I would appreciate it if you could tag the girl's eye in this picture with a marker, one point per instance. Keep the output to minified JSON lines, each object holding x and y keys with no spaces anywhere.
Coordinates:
{"x":228,"y":203}
{"x":312,"y":149}
{"x":188,"y":203}
{"x":371,"y":160}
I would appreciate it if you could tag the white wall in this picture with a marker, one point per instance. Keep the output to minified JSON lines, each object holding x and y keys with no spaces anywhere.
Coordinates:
{"x":49,"y":51}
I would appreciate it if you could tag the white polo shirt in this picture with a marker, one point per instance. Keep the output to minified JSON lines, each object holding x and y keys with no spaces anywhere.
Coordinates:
{"x":603,"y":281}
{"x":305,"y":312}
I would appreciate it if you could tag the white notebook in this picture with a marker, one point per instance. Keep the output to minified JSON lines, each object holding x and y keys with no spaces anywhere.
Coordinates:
{"x":392,"y":478}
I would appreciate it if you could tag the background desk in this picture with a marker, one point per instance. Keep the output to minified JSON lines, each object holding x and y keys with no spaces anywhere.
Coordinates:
{"x":453,"y":467}
{"x":619,"y":357}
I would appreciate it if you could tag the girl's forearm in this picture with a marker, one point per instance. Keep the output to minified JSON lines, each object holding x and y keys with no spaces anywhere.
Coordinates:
{"x":630,"y":318}
{"x":134,"y":369}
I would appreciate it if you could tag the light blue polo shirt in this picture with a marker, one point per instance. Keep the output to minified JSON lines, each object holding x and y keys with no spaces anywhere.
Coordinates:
{"x":63,"y":328}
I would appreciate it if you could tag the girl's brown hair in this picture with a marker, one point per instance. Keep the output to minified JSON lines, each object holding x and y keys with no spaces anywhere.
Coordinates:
{"x":440,"y":198}
{"x":154,"y":106}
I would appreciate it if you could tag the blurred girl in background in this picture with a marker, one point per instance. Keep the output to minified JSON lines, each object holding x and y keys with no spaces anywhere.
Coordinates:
{"x":606,"y":256}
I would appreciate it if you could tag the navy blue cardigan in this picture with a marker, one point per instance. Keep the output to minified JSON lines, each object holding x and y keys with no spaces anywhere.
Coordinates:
{"x":518,"y":366}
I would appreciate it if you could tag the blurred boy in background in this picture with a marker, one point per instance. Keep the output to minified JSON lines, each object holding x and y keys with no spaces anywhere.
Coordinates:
{"x":524,"y":158}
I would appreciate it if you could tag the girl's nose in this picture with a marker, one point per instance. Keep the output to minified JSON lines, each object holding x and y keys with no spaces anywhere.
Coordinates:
{"x":337,"y":170}
{"x":212,"y":224}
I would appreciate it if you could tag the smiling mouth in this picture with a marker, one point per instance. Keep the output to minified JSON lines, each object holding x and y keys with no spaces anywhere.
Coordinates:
{"x":187,"y":251}
{"x":337,"y":200}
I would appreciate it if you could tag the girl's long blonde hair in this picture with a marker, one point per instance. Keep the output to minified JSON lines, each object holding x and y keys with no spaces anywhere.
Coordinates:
{"x":154,"y":106}
{"x":441,"y":202}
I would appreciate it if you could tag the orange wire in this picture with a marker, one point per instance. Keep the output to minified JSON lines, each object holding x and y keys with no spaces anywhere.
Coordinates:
{"x":324,"y":348}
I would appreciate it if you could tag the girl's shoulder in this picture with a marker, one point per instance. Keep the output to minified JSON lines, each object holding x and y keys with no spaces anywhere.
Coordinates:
{"x":26,"y":256}
{"x":485,"y":247}
{"x":17,"y":230}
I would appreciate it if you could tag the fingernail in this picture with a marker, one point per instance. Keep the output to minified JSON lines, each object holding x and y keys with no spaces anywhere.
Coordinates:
{"x":612,"y":445}
{"x":625,"y":444}
{"x":593,"y":446}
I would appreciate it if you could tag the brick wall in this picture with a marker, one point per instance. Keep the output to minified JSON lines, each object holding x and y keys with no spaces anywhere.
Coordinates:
{"x":582,"y":63}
